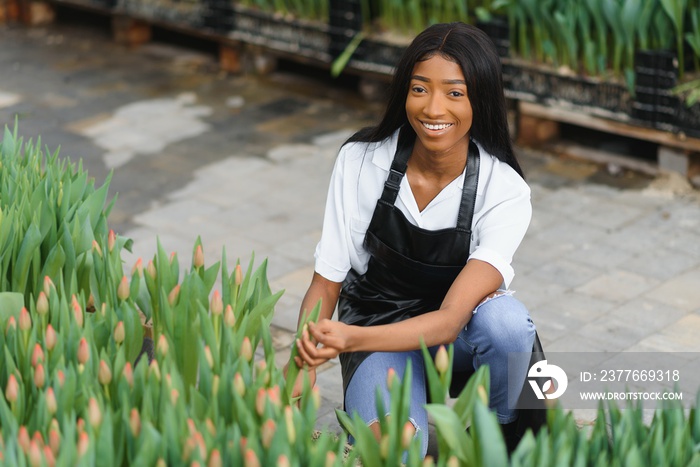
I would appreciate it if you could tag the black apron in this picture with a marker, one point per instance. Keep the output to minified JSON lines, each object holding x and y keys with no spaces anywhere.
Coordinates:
{"x":410,"y":269}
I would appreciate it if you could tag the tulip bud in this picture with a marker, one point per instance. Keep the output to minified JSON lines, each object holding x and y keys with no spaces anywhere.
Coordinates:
{"x":215,"y":385}
{"x":238,"y":275}
{"x":409,"y":431}
{"x":11,"y":325}
{"x":80,"y":425}
{"x":77,"y":311}
{"x":128,"y":374}
{"x":25,"y":321}
{"x":119,"y":332}
{"x":83,"y":351}
{"x":267,"y":432}
{"x":96,"y":248}
{"x":239,"y":384}
{"x":151,"y":270}
{"x":35,"y":454}
{"x":42,"y":304}
{"x":198,"y":257}
{"x":90,"y":306}
{"x":39,"y":376}
{"x":83,"y":444}
{"x":61,"y":378}
{"x":251,"y":459}
{"x":208,"y":356}
{"x":174,"y":395}
{"x":54,"y":440}
{"x":135,"y":422}
{"x":48,"y":455}
{"x":260,"y":399}
{"x":37,"y":355}
{"x":23,"y":439}
{"x":173,"y":255}
{"x":123,"y":290}
{"x":94,"y":413}
{"x":173,"y":295}
{"x":273,"y":394}
{"x":154,"y":370}
{"x":390,"y":378}
{"x":481,"y":391}
{"x":330,"y":459}
{"x":216,"y":305}
{"x":138,"y":267}
{"x":428,"y":461}
{"x":51,"y":404}
{"x":229,"y":317}
{"x":210,"y":427}
{"x":104,"y":375}
{"x":163,"y":346}
{"x":289,"y":424}
{"x":283,"y":461}
{"x":384,"y":447}
{"x":111,"y":240}
{"x":12,"y":389}
{"x":442,"y":360}
{"x":215,"y":459}
{"x":247,"y":349}
{"x":453,"y":461}
{"x":48,"y":286}
{"x":50,"y":338}
{"x":316,"y":397}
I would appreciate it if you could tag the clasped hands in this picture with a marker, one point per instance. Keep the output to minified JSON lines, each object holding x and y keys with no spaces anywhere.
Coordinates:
{"x":321,"y":342}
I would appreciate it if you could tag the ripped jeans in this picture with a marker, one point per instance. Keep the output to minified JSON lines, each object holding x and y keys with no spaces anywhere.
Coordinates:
{"x":500,"y":325}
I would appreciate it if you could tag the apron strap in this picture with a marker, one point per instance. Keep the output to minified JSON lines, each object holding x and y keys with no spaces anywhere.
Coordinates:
{"x":398,"y":166}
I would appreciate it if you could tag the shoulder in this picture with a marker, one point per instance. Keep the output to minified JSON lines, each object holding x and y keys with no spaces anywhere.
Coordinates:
{"x":497,"y":176}
{"x":380,"y":153}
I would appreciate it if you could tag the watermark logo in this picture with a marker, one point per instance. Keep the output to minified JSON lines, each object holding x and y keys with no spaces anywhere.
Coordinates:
{"x":553,"y":374}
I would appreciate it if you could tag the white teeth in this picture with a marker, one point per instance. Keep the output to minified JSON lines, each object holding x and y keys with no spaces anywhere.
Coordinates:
{"x":436,"y":127}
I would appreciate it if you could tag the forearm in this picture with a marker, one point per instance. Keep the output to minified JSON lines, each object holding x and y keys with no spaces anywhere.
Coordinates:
{"x":320,"y":289}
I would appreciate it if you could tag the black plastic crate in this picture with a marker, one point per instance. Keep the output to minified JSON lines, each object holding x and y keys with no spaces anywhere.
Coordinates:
{"x":498,"y":31}
{"x":377,"y":55}
{"x":177,"y":12}
{"x":688,"y":120}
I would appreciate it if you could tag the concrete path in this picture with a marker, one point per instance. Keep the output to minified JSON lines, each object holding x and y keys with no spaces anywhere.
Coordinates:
{"x":610,"y":263}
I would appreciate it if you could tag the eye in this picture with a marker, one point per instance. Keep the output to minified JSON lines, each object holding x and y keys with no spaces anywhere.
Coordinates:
{"x":456,"y":93}
{"x":418,"y":89}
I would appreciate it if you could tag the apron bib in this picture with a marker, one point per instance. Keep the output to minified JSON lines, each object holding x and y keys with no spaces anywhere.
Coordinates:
{"x":410,"y":269}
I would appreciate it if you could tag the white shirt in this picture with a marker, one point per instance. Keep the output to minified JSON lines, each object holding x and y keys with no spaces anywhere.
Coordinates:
{"x":501,"y":215}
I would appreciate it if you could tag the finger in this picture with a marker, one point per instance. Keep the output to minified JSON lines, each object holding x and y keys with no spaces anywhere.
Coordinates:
{"x":309,"y":360}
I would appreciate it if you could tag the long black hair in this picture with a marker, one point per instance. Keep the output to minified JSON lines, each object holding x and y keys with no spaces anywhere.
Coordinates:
{"x":476,"y":55}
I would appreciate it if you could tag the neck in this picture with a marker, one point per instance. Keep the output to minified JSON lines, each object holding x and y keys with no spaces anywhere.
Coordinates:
{"x":448,"y":164}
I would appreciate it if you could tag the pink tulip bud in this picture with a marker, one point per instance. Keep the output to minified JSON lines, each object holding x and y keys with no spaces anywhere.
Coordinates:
{"x":54,"y":441}
{"x":200,"y":444}
{"x":208,"y":356}
{"x":83,"y":351}
{"x":283,"y":461}
{"x":123,"y":290}
{"x":48,"y":286}
{"x":316,"y":397}
{"x":198,"y":257}
{"x":267,"y":432}
{"x":48,"y":455}
{"x":260,"y":400}
{"x":210,"y":427}
{"x":11,"y":325}
{"x":50,"y":338}
{"x":128,"y":374}
{"x":162,"y":346}
{"x":137,"y":268}
{"x":173,"y":295}
{"x":151,"y":270}
{"x":42,"y":304}
{"x":96,"y":248}
{"x":61,"y":378}
{"x":111,"y":240}
{"x":273,"y":394}
{"x":12,"y":389}
{"x":23,"y":439}
{"x":51,"y":404}
{"x":390,"y":378}
{"x":37,"y":355}
{"x":407,"y":435}
{"x":215,"y":459}
{"x":481,"y":392}
{"x":330,"y":459}
{"x":174,"y":395}
{"x":442,"y":360}
{"x":77,"y":311}
{"x":80,"y":425}
{"x":35,"y":454}
{"x":173,"y":255}
{"x":135,"y":422}
{"x":238,"y":275}
{"x":251,"y":459}
{"x":247,"y":349}
{"x":239,"y":384}
{"x":94,"y":413}
{"x":216,"y":305}
{"x":83,"y":444}
{"x":154,"y":370}
{"x":104,"y":375}
{"x":39,"y":376}
{"x":229,"y":317}
{"x":25,"y":321}
{"x":452,"y":461}
{"x":119,"y":332}
{"x":289,"y":424}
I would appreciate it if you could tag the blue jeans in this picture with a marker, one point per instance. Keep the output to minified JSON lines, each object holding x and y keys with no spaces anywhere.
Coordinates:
{"x":500,"y":325}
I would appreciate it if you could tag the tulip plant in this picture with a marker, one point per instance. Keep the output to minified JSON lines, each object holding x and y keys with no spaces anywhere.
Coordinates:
{"x":75,"y":390}
{"x":303,"y":9}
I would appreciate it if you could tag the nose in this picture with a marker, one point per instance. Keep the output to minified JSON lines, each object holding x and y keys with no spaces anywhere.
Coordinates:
{"x":434,"y":106}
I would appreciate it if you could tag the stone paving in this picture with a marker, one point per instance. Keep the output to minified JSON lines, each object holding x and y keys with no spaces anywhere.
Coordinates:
{"x":610,"y":263}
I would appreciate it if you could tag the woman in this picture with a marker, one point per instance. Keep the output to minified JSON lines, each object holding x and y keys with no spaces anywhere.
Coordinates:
{"x":424,"y":213}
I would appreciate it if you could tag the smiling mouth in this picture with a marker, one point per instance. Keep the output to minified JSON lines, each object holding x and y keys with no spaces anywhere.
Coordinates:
{"x":441,"y":126}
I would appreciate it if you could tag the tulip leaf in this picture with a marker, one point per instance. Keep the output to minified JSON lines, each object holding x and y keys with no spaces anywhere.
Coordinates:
{"x":451,"y":430}
{"x":489,"y":446}
{"x":11,"y":304}
{"x":31,"y":241}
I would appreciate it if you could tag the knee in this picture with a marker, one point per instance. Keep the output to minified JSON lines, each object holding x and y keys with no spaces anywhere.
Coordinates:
{"x":506,"y":323}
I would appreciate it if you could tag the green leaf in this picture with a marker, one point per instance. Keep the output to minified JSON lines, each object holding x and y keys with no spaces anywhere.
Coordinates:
{"x":341,"y":62}
{"x":450,"y":429}
{"x":31,"y":241}
{"x":489,"y":446}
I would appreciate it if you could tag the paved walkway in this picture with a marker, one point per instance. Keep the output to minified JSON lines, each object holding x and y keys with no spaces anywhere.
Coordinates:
{"x":610,"y":263}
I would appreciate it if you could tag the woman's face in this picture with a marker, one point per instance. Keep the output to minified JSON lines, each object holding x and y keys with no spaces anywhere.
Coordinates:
{"x":437,"y":106}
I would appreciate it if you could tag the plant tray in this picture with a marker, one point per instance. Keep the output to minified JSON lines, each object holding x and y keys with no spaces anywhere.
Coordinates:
{"x":688,"y":120}
{"x":178,"y":12}
{"x":300,"y":37}
{"x":377,"y":55}
{"x":546,"y":86}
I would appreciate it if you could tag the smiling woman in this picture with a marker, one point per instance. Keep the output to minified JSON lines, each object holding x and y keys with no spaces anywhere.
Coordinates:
{"x":424,"y":213}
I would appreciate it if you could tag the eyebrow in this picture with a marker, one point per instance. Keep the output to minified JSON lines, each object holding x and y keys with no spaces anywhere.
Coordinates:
{"x":444,"y":81}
